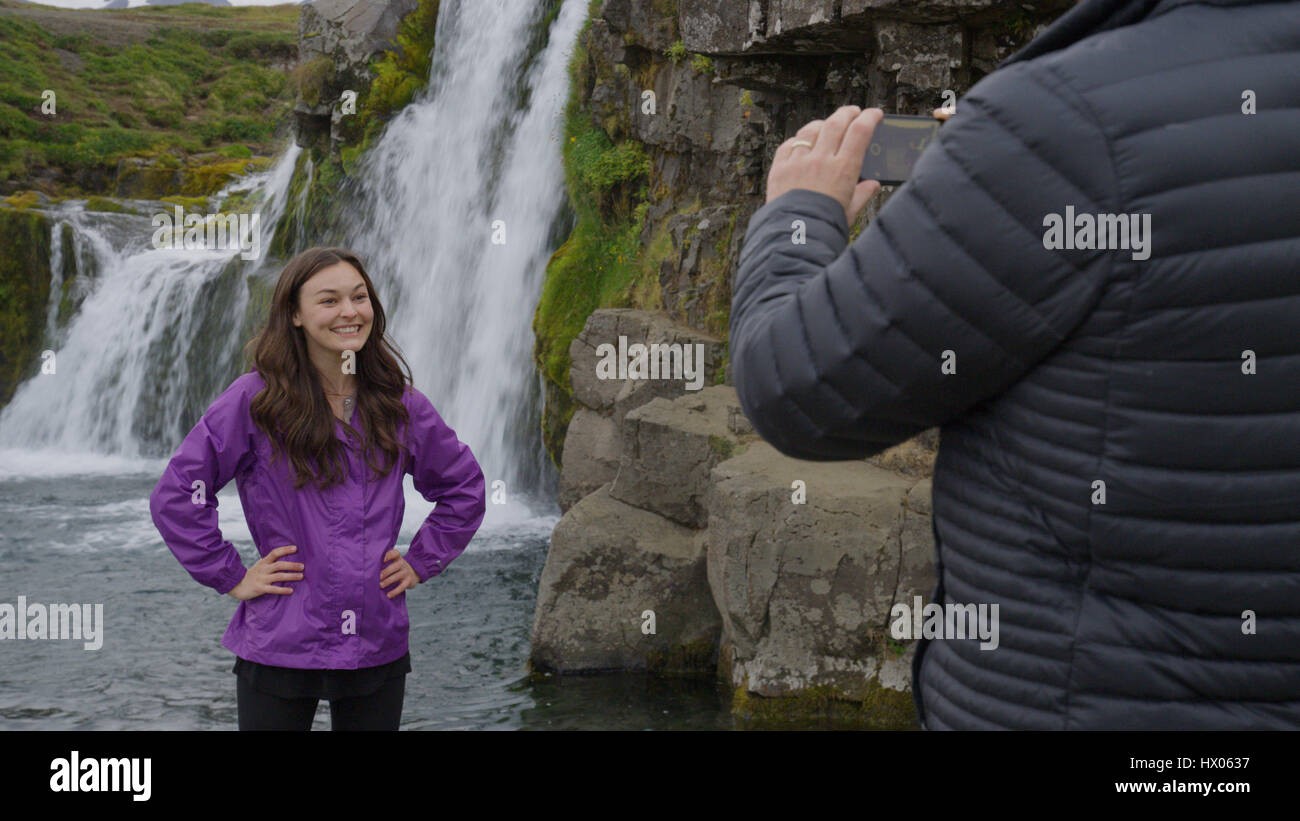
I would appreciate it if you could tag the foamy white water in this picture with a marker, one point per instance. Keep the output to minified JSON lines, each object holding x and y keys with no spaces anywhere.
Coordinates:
{"x":462,"y":162}
{"x":122,"y":365}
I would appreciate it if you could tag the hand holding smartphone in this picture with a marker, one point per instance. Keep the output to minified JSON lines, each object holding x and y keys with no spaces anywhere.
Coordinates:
{"x":897,"y":143}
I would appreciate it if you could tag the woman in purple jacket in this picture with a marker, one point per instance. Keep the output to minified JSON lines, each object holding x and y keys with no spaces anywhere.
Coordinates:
{"x":323,"y":613}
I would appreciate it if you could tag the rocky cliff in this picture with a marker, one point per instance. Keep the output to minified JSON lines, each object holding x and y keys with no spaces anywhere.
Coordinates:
{"x":672,"y":503}
{"x":676,"y":108}
{"x":689,"y":545}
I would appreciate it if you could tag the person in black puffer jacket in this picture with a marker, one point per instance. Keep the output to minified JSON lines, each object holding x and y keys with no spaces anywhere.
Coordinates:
{"x":1119,"y":458}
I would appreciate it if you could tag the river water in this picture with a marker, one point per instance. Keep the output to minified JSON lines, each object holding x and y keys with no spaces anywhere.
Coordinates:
{"x":79,"y":532}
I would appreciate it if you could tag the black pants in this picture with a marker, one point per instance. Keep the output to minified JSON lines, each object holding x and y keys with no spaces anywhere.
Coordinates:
{"x":382,"y":710}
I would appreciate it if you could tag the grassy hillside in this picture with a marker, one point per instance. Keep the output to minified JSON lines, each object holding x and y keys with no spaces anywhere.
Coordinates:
{"x":193,"y":89}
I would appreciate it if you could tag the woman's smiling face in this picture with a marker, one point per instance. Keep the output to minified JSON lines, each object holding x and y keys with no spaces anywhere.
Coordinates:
{"x":334,"y":311}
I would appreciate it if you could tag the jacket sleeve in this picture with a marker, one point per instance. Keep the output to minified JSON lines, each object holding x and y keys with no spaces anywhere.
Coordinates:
{"x":839,"y":356}
{"x":444,"y":471}
{"x":219,"y":447}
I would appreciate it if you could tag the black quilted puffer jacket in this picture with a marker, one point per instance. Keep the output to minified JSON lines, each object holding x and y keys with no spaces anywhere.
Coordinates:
{"x":1119,"y":459}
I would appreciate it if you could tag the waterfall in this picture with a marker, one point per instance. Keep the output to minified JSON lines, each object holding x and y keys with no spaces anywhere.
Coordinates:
{"x":475,"y":158}
{"x":157,"y":334}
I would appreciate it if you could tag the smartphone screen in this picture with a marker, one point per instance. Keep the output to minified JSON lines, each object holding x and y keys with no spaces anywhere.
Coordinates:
{"x":895,"y":146}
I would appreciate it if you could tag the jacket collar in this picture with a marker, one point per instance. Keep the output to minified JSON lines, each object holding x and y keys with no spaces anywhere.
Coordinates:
{"x":1091,"y":17}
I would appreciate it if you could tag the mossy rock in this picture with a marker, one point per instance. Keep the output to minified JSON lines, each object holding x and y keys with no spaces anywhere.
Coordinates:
{"x":822,"y":706}
{"x":144,"y":182}
{"x":24,"y":295}
{"x":209,"y":179}
{"x":693,"y":658}
{"x":199,"y":204}
{"x":722,"y":446}
{"x":310,"y":79}
{"x":23,"y":199}
{"x":105,"y":205}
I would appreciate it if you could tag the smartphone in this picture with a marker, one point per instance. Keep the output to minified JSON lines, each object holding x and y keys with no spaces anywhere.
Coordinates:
{"x":895,"y":146}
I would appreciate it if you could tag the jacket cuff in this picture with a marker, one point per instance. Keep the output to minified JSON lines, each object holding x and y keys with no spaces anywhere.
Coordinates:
{"x":805,"y":202}
{"x":229,"y":579}
{"x":423,"y":570}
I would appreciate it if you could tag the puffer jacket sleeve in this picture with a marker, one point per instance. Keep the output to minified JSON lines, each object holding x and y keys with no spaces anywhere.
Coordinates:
{"x":184,"y":502}
{"x":839,"y":355}
{"x":444,"y":471}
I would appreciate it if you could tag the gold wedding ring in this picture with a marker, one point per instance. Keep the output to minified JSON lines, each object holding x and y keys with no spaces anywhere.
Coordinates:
{"x":798,"y":143}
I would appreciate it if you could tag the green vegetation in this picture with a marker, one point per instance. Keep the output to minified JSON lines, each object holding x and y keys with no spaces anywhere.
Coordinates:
{"x":399,"y":74}
{"x":613,"y":259}
{"x":24,"y":293}
{"x":602,"y":264}
{"x":1019,"y":24}
{"x":107,"y":205}
{"x":310,"y":77}
{"x":157,"y":83}
{"x":692,"y":658}
{"x":880,"y":709}
{"x":722,"y":446}
{"x":676,"y":51}
{"x":23,"y":199}
{"x":199,"y":204}
{"x":702,"y":64}
{"x":206,"y":179}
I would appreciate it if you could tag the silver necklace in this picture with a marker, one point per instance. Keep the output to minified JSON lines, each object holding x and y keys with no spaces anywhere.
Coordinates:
{"x":347,"y":402}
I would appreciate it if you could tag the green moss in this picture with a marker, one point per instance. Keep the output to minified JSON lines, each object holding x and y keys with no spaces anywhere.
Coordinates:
{"x":314,"y":211}
{"x":260,"y":291}
{"x":722,"y":446}
{"x":196,"y":204}
{"x":310,"y":78}
{"x":676,"y":51}
{"x":600,"y":165}
{"x":107,"y":205}
{"x":1019,"y":24}
{"x":208,"y":179}
{"x":690,"y":658}
{"x":746,"y":99}
{"x":702,"y":64}
{"x":349,"y":159}
{"x":601,"y":263}
{"x":263,"y":45}
{"x":822,"y":706}
{"x":145,"y":182}
{"x":166,"y":159}
{"x":23,"y":199}
{"x":399,"y":74}
{"x":24,"y":294}
{"x":556,"y":414}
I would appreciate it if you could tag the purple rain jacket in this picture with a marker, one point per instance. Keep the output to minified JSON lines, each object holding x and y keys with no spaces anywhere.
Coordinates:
{"x":338,"y":617}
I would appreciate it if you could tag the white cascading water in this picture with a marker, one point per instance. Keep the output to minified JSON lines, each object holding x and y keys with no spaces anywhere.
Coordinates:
{"x":463,"y":165}
{"x":127,"y":344}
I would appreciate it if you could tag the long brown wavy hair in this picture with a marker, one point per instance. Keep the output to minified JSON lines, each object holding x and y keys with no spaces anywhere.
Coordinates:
{"x":293,"y":410}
